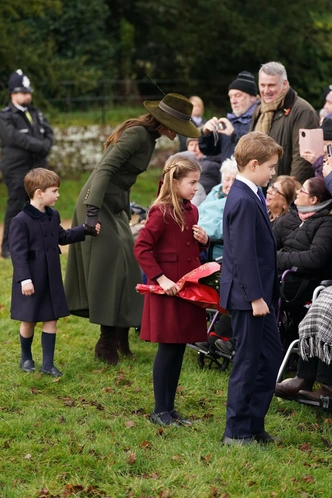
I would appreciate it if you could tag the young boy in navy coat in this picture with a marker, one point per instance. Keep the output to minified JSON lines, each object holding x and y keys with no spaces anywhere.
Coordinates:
{"x":37,"y":290}
{"x":249,"y":287}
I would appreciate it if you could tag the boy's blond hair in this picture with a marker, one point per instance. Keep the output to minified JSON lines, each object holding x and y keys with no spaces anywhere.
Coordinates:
{"x":177,"y":167}
{"x":40,"y":178}
{"x":255,"y":145}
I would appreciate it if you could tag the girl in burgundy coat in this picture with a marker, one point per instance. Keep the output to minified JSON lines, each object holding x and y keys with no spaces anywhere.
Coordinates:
{"x":167,"y":248}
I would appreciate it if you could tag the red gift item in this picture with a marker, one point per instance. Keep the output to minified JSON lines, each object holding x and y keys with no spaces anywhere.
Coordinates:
{"x":192,"y":289}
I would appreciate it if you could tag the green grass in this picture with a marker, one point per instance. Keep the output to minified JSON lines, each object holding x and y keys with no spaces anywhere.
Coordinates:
{"x":88,"y":434}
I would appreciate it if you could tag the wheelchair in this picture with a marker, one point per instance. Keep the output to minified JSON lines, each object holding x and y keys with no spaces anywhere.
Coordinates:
{"x":292,"y":351}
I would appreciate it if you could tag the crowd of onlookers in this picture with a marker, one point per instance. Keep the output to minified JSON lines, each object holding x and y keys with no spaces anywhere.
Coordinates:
{"x":298,"y":200}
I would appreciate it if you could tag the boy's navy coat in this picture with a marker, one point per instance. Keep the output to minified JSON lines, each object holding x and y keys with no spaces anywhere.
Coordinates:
{"x":34,"y":237}
{"x":249,"y":268}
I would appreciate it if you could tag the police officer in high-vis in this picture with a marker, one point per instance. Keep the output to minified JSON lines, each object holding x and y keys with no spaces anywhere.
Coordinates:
{"x":26,"y":139}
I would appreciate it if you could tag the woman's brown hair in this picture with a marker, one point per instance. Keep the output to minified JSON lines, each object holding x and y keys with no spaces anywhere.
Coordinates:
{"x":318,"y":189}
{"x":146,"y":120}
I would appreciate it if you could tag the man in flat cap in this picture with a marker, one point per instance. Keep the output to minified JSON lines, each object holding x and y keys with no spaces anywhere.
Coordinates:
{"x":26,"y":139}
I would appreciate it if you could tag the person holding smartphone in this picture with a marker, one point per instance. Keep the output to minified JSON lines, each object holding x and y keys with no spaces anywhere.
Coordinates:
{"x":317,"y":161}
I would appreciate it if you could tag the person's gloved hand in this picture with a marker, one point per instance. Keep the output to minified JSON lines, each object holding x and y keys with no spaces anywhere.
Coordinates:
{"x":91,"y":221}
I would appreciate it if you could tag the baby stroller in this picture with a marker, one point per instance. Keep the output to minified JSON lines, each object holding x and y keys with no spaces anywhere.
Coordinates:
{"x":218,"y":350}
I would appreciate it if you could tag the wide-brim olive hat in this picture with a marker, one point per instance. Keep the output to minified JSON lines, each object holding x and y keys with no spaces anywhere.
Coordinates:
{"x":174,"y":111}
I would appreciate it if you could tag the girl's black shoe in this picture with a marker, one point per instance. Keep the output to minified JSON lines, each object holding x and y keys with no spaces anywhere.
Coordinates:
{"x":164,"y":419}
{"x":178,"y":419}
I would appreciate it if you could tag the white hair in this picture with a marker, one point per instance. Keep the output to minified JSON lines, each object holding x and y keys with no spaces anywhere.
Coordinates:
{"x":229,"y":166}
{"x":274,"y":68}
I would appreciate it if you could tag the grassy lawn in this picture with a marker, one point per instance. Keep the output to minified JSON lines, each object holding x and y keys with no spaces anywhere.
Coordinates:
{"x":88,"y":434}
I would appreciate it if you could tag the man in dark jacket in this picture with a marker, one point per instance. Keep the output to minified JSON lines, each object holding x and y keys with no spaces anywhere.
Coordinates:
{"x":26,"y":139}
{"x":281,"y":114}
{"x":220,"y":136}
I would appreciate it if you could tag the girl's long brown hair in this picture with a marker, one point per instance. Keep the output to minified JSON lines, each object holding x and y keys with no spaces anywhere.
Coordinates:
{"x":176,"y":168}
{"x":146,"y":120}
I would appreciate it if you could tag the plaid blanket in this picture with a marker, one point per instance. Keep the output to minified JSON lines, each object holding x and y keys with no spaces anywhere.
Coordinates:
{"x":315,"y":330}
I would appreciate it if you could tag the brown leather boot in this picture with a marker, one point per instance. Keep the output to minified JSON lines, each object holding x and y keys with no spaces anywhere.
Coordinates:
{"x":289,"y":388}
{"x":123,"y":341}
{"x":106,"y":346}
{"x":325,"y":390}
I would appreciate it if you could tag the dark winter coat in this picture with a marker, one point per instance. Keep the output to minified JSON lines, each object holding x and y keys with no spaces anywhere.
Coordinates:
{"x":24,"y":145}
{"x":306,"y":245}
{"x":102,"y":273}
{"x":34,"y":237}
{"x":210,"y":175}
{"x":225,"y":145}
{"x":162,"y":248}
{"x":295,"y":113}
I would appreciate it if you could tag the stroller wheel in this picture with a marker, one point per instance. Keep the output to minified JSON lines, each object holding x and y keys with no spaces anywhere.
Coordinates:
{"x":201,"y":360}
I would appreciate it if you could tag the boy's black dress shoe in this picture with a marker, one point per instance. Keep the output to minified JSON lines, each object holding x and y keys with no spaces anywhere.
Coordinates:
{"x":52,"y":371}
{"x":27,"y":366}
{"x":178,"y":419}
{"x":265,"y":438}
{"x":232,"y":441}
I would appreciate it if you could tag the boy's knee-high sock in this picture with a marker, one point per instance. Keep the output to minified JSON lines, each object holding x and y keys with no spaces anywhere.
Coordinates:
{"x":48,"y":346}
{"x":26,"y":343}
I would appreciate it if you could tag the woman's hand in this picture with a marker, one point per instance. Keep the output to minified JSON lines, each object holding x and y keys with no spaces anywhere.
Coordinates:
{"x":168,"y":285}
{"x":310,"y":156}
{"x":200,"y":235}
{"x":327,"y":166}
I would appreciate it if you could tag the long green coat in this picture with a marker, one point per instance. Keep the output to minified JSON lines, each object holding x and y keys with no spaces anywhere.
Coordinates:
{"x":102,"y":273}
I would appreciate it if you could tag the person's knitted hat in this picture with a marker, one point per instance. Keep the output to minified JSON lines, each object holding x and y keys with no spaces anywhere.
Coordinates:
{"x":327,"y":128}
{"x":245,"y":82}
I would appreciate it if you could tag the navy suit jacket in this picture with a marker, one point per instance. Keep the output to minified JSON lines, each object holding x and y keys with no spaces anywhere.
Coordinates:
{"x":249,"y":267}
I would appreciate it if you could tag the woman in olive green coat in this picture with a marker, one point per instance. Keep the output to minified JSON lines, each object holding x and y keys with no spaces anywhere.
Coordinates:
{"x":102,"y":273}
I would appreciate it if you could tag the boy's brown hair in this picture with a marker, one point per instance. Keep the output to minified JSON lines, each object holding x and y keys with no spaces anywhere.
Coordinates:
{"x":255,"y":145}
{"x":40,"y":178}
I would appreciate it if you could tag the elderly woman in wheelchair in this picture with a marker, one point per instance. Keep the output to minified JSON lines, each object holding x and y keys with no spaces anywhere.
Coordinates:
{"x":304,"y":241}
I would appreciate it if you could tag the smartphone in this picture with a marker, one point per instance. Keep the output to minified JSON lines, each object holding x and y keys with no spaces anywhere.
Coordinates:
{"x":312,"y":140}
{"x":329,"y":150}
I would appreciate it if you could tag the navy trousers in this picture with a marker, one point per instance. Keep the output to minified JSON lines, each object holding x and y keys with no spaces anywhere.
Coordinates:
{"x":17,"y":198}
{"x":254,"y":372}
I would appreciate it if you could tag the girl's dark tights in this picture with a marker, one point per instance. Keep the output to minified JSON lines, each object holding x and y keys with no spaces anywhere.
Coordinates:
{"x":166,"y":372}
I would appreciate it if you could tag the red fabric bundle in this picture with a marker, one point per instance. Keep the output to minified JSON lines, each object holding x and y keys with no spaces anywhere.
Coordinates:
{"x":192,"y":289}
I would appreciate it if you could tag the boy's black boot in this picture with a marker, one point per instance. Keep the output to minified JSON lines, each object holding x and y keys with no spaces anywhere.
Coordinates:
{"x":106,"y":347}
{"x":122,"y":338}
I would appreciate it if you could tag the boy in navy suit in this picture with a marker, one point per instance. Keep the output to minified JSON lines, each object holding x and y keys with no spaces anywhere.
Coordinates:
{"x":249,"y":287}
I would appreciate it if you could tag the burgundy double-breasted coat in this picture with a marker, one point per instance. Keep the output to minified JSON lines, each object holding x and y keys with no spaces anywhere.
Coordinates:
{"x":34,"y":237}
{"x":162,"y":248}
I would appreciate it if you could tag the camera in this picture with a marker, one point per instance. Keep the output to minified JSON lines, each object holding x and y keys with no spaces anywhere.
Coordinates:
{"x":220,"y":126}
